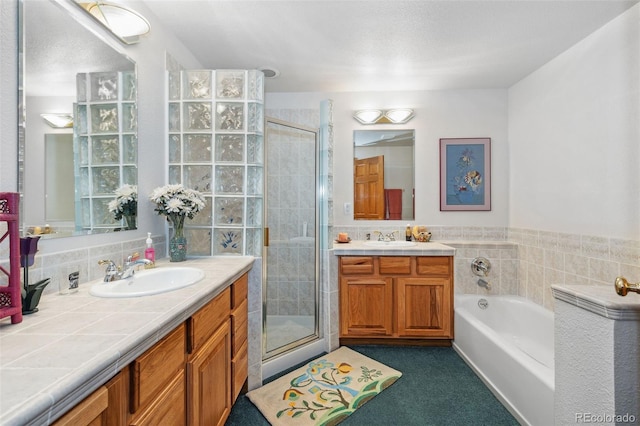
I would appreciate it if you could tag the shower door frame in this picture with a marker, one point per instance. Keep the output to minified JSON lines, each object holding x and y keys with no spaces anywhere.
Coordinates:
{"x":315,"y":336}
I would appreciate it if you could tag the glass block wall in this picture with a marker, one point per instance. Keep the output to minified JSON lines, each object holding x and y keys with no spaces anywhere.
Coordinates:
{"x":105,"y":145}
{"x":215,"y":120}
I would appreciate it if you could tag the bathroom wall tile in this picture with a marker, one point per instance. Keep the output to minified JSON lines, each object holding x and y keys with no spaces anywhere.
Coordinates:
{"x":288,"y":307}
{"x":553,"y":259}
{"x":515,"y":235}
{"x":466,"y":253}
{"x":494,"y":233}
{"x":306,"y":290}
{"x":576,"y":264}
{"x":472,"y":233}
{"x":508,"y":276}
{"x":597,"y":247}
{"x":535,"y":255}
{"x":307,"y":307}
{"x":530,"y":238}
{"x":288,"y":290}
{"x":489,"y":253}
{"x":603,"y":270}
{"x":631,"y":272}
{"x":625,"y":251}
{"x":451,"y":233}
{"x":511,"y":253}
{"x":535,"y":277}
{"x":569,"y":243}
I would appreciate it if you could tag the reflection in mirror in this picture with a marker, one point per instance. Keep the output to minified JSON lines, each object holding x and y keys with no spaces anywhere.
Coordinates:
{"x":66,"y":68}
{"x":383,"y":174}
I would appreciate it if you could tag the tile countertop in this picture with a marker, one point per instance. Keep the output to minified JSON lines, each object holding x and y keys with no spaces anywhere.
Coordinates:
{"x":56,"y":357}
{"x":359,"y":248}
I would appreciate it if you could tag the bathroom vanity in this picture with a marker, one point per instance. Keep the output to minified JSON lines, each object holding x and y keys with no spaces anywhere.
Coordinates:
{"x":395,"y":294}
{"x":153,"y":358}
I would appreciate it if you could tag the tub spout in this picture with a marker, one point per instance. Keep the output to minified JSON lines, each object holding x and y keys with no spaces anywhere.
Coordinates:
{"x":485,"y":284}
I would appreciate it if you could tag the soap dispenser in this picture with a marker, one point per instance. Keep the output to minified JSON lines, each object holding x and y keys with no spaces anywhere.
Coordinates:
{"x":407,"y":232}
{"x":150,"y":252}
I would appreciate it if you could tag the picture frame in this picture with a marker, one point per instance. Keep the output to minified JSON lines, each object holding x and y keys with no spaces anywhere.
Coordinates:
{"x":465,"y":174}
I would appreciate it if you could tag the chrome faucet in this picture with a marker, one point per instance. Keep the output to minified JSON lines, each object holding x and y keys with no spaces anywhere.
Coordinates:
{"x":115,"y":273}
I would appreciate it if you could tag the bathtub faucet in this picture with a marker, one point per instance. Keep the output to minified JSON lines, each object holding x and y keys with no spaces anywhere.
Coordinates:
{"x":483,"y":283}
{"x":481,"y":266}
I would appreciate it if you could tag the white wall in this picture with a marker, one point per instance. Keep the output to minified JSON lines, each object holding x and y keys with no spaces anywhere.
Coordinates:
{"x":438,"y":114}
{"x":574,"y":137}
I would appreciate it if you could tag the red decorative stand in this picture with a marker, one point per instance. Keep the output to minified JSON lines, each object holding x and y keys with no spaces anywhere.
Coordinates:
{"x":10,"y":296}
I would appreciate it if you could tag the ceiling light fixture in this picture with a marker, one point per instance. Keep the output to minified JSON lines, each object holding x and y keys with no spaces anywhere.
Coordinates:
{"x":125,"y":23}
{"x":269,"y":72}
{"x":390,"y":116}
{"x":58,"y":120}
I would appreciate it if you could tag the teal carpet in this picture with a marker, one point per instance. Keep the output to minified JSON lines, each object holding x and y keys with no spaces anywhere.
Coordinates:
{"x":436,"y":388}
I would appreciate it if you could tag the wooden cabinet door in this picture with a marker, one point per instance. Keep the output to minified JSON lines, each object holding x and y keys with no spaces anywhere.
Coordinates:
{"x":209,"y":380}
{"x":424,"y":307}
{"x":366,"y":306}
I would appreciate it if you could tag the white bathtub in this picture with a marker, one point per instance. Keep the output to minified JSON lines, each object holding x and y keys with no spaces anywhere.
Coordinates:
{"x":509,"y":345}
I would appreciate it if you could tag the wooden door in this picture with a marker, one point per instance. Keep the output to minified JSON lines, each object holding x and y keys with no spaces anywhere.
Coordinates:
{"x":368,"y":188}
{"x":209,"y":378}
{"x":424,"y":307}
{"x":366,"y":307}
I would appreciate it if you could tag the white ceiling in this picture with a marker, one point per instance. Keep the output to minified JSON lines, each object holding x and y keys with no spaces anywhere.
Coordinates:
{"x":354,"y":45}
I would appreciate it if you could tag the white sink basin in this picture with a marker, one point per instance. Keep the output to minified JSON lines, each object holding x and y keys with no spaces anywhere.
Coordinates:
{"x":389,"y":243}
{"x":148,"y":282}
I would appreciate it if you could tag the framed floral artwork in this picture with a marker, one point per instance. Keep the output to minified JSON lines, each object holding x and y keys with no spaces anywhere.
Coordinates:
{"x":465,"y":174}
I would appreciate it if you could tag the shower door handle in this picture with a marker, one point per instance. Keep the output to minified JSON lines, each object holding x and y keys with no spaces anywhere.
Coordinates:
{"x":623,"y":286}
{"x":266,"y":236}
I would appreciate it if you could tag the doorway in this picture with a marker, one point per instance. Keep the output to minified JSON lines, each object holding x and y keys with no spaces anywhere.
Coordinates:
{"x":290,"y":257}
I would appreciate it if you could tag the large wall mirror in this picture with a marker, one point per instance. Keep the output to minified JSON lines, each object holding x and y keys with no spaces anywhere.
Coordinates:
{"x":69,"y":175}
{"x":383,"y":175}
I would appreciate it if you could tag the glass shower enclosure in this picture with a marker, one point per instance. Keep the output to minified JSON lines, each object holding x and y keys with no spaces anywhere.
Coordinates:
{"x":290,"y":302}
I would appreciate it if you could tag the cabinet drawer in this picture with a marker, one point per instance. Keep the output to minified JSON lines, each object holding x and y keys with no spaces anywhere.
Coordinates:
{"x":350,"y":265}
{"x":239,"y":291}
{"x":239,"y":327}
{"x":153,"y":370}
{"x":88,"y":412}
{"x":240,"y":370}
{"x":395,"y":265}
{"x":169,"y":409}
{"x":207,"y":320}
{"x":433,"y":265}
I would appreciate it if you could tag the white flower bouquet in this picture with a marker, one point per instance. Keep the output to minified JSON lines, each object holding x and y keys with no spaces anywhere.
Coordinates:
{"x":126,"y":203}
{"x":177,"y":202}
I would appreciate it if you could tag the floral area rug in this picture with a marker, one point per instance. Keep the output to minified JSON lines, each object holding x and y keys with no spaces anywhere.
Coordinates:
{"x":325,"y":391}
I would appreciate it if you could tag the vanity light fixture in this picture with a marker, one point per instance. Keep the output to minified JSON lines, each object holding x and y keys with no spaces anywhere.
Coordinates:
{"x":58,"y":120}
{"x":390,"y":116}
{"x":368,"y":116}
{"x":127,"y":24}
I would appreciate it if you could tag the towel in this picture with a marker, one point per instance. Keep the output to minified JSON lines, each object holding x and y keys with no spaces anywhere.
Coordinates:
{"x":393,"y":203}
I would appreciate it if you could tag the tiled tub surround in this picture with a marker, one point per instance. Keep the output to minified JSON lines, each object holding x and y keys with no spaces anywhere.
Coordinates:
{"x":526,"y":262}
{"x":75,"y":343}
{"x":547,"y":258}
